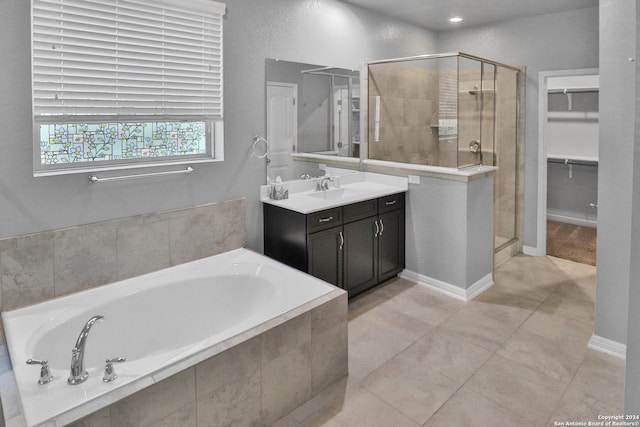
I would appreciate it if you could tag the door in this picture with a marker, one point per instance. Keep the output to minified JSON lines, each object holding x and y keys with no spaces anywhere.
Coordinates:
{"x":341,"y":118}
{"x":391,"y":244}
{"x":282,"y":128}
{"x":325,"y":255}
{"x":360,"y":255}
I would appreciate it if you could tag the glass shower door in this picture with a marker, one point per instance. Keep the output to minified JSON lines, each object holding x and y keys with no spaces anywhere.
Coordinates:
{"x":506,"y":184}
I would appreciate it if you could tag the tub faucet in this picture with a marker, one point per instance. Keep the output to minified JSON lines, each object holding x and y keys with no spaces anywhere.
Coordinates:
{"x":78,"y":374}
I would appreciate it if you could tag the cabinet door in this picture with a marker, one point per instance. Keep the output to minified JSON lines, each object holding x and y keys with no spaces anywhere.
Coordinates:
{"x":391,"y":244}
{"x":325,"y":255}
{"x":360,"y":255}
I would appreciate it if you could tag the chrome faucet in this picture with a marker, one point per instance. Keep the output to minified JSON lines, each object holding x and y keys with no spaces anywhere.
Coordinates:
{"x":78,"y":373}
{"x":323,"y":183}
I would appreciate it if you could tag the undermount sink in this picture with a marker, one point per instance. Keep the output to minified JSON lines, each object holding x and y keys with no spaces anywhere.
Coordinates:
{"x":333,"y":194}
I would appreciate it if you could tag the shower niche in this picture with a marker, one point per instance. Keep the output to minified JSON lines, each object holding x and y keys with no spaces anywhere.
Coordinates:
{"x":441,"y":110}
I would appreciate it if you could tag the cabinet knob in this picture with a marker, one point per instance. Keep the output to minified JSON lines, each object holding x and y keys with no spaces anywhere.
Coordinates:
{"x":326,"y":219}
{"x":391,"y":202}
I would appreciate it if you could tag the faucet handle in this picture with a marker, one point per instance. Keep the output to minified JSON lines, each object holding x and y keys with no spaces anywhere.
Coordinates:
{"x":109,"y":372}
{"x":45,"y":374}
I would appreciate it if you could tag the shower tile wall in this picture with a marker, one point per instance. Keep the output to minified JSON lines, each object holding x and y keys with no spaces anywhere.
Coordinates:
{"x":35,"y":268}
{"x":408,"y":116}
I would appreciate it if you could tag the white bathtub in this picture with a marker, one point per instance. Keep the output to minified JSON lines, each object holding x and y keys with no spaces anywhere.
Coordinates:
{"x":162,"y":322}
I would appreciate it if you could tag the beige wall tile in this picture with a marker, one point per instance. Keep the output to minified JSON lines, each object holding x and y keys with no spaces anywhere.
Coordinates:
{"x":230,"y":225}
{"x":27,"y":273}
{"x":153,"y":404}
{"x":232,"y":366}
{"x":142,"y":249}
{"x":84,"y":257}
{"x":17,"y":298}
{"x":291,"y":335}
{"x":236,"y":404}
{"x":286,"y":383}
{"x":191,"y":235}
{"x":101,"y":418}
{"x":329,"y":357}
{"x":329,"y":315}
{"x":183,"y":417}
{"x":38,"y":267}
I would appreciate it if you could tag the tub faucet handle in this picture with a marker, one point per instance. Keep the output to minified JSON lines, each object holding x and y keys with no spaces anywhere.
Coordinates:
{"x":109,"y":372}
{"x":45,"y":374}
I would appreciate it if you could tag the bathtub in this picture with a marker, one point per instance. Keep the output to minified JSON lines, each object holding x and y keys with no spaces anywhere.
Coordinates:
{"x":162,"y":323}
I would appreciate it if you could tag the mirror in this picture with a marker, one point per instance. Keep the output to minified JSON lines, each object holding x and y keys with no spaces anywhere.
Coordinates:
{"x":310,"y":109}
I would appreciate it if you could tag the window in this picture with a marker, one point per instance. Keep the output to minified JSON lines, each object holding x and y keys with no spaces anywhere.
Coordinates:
{"x":126,"y":83}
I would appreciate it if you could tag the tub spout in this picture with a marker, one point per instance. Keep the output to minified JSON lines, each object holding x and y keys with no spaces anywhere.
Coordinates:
{"x":78,"y":374}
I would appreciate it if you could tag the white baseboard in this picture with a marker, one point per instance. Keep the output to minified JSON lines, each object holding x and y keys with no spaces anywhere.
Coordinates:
{"x":531,"y":251}
{"x":572,"y":220}
{"x":608,"y":346}
{"x":448,"y":289}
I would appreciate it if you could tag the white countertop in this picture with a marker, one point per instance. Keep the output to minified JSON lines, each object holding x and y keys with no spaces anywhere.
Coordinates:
{"x":353,"y":187}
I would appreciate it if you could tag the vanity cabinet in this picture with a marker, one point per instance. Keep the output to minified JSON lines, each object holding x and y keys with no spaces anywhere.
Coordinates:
{"x":355,"y":246}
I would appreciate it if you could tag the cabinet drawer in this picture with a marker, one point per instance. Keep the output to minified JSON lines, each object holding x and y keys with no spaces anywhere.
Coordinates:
{"x":324,"y":219}
{"x":390,"y":203}
{"x":360,"y":210}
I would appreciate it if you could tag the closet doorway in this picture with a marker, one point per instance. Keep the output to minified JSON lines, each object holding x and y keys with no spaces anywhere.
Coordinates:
{"x":568,"y":164}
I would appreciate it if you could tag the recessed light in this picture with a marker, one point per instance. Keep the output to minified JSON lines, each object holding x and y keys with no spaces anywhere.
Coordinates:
{"x":455,"y":19}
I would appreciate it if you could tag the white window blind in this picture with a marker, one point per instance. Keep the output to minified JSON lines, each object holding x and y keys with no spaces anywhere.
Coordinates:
{"x":126,"y":58}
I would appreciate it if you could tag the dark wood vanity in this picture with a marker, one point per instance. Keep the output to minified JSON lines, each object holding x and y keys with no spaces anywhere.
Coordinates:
{"x":355,"y":246}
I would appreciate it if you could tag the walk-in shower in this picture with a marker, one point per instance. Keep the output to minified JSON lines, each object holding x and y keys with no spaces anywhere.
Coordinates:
{"x":450,"y":110}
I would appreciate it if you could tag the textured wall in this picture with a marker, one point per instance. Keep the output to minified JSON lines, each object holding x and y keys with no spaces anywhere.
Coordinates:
{"x":570,"y":196}
{"x":616,"y":167}
{"x":632,"y":372}
{"x":448,"y":244}
{"x":314,"y":31}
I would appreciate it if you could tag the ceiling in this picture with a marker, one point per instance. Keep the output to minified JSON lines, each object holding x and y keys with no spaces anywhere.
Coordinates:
{"x":434,"y":14}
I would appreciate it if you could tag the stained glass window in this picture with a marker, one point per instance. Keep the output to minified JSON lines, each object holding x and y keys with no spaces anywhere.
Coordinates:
{"x":126,"y":83}
{"x":77,"y":142}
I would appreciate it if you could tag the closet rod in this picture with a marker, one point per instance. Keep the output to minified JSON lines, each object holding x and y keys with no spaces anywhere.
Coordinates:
{"x":572,"y":162}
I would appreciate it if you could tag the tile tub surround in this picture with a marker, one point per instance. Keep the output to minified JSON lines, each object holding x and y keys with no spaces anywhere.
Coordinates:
{"x":38,"y":267}
{"x":256,"y":377}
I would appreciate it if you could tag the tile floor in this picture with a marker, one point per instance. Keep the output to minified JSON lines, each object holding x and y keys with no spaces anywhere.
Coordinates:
{"x":515,"y":356}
